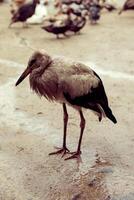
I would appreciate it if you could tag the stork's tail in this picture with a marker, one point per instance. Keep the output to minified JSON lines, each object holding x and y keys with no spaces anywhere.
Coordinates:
{"x":109,"y":114}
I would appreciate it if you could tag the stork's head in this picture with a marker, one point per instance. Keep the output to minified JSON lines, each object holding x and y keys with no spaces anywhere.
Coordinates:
{"x":39,"y":59}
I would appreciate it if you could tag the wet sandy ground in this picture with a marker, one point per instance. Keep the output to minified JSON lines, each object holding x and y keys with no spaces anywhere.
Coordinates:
{"x":30,"y":127}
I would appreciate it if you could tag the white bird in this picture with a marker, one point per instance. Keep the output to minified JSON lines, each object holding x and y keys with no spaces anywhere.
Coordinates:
{"x":68,"y":82}
{"x":40,"y":14}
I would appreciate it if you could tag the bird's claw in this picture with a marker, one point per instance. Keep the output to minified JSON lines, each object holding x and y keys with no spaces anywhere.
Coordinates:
{"x":75,"y":155}
{"x":62,"y":150}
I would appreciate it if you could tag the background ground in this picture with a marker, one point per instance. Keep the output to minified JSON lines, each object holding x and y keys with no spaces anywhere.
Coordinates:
{"x":30,"y":127}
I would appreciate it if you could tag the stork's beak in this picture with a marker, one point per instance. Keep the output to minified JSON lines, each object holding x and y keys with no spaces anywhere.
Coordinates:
{"x":23,"y":76}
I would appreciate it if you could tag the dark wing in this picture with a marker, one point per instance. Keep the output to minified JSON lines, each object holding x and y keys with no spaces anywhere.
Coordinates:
{"x":129,"y":4}
{"x":90,"y":93}
{"x":26,"y":10}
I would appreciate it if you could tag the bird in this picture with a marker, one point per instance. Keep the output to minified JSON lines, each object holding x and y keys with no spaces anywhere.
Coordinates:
{"x":39,"y":15}
{"x":76,"y":19}
{"x":69,"y":83}
{"x":128,"y":5}
{"x":70,"y":10}
{"x":94,"y":12}
{"x":79,"y":2}
{"x":77,"y":24}
{"x":57,"y":26}
{"x":15,"y":4}
{"x":24,"y":12}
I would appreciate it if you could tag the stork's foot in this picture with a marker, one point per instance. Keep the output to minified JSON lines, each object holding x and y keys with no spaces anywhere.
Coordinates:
{"x":75,"y":155}
{"x":62,"y":151}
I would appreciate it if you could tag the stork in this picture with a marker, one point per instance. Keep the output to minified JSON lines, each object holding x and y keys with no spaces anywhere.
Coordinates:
{"x":67,"y":82}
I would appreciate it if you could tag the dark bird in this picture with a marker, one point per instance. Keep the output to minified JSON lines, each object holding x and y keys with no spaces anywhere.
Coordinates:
{"x":24,"y":12}
{"x":77,"y":21}
{"x":128,"y":5}
{"x":77,"y":24}
{"x":78,"y":2}
{"x":94,"y":12}
{"x":68,"y":2}
{"x":71,"y":83}
{"x":69,"y":10}
{"x":57,"y":27}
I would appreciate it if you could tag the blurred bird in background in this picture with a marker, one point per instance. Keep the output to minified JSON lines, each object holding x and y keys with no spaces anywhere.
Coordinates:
{"x":24,"y":12}
{"x":15,"y":4}
{"x":94,"y":11}
{"x":77,"y":21}
{"x":57,"y":25}
{"x":128,"y":5}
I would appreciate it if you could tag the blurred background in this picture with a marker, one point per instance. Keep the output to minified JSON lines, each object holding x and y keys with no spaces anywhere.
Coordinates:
{"x":99,"y":34}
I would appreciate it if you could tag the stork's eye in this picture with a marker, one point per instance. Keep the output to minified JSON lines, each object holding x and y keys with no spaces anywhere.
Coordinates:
{"x":32,"y":62}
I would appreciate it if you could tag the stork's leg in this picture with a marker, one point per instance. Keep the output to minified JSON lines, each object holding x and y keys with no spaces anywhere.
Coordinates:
{"x":64,"y":149}
{"x":82,"y":127}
